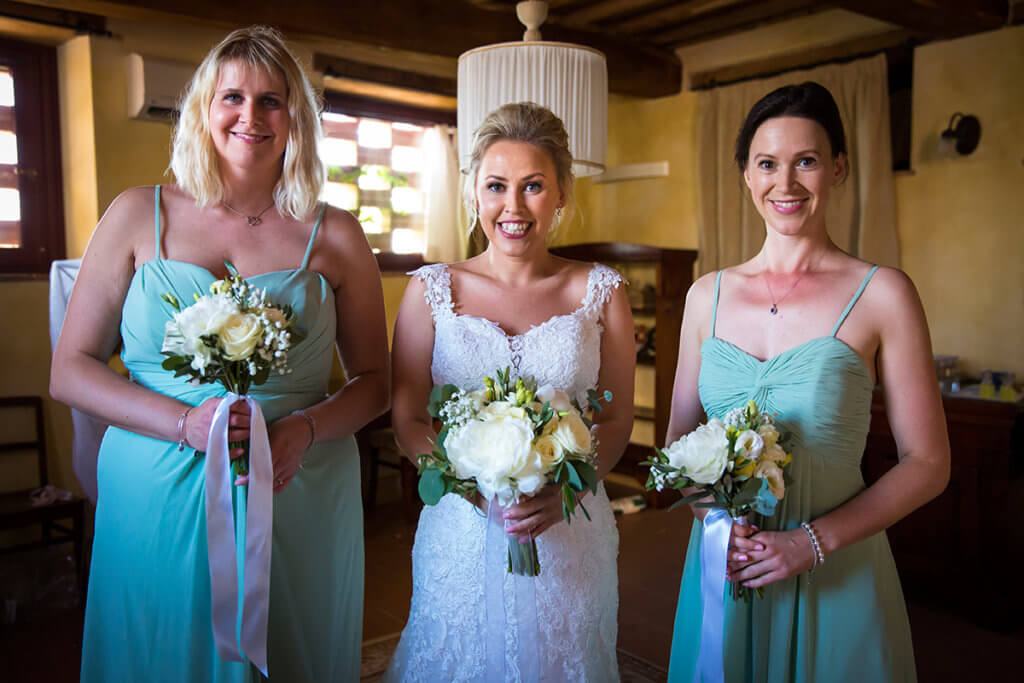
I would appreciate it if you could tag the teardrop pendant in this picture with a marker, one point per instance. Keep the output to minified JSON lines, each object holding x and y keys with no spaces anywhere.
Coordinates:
{"x":773,"y":310}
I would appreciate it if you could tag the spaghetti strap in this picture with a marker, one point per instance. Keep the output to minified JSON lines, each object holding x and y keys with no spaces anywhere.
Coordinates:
{"x":156,"y":220}
{"x":849,"y":306}
{"x":714,"y":311}
{"x":312,"y":237}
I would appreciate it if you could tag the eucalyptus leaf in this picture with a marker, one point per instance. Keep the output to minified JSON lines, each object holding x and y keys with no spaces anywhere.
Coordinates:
{"x":431,"y":487}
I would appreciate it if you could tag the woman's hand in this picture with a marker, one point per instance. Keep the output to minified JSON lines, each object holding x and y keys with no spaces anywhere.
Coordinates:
{"x":533,"y":516}
{"x":290,"y":438}
{"x":199,"y":419}
{"x":783,"y":554}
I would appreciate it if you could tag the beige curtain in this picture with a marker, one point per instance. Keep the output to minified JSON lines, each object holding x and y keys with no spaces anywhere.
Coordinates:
{"x":861,"y":216}
{"x":445,"y":231}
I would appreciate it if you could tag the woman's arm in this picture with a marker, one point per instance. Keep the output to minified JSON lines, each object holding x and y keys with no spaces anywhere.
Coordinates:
{"x":80,"y":375}
{"x":361,"y":335}
{"x":915,"y":412}
{"x":687,"y":411}
{"x":412,"y":382}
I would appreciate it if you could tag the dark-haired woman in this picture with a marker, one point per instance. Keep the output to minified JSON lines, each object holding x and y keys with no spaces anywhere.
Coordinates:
{"x":807,"y":330}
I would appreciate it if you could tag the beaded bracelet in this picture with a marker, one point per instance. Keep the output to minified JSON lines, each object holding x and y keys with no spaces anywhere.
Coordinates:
{"x":181,"y":428}
{"x":310,"y":422}
{"x":819,"y":556}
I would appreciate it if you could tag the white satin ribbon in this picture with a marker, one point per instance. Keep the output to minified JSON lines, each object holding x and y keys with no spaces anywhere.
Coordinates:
{"x":220,"y":533}
{"x":496,"y":615}
{"x":714,"y":550}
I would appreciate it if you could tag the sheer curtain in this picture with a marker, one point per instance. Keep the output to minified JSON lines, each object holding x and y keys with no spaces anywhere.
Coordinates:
{"x":861,"y":216}
{"x":445,"y":223}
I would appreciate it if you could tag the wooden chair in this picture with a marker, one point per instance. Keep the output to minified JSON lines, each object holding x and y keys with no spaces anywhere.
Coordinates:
{"x":16,"y":508}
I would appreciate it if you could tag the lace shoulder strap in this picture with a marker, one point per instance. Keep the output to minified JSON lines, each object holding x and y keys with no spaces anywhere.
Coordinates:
{"x":601,"y":281}
{"x":438,"y":292}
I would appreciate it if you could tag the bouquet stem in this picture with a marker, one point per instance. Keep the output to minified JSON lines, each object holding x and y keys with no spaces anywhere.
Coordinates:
{"x":737,"y":590}
{"x":522,"y":557}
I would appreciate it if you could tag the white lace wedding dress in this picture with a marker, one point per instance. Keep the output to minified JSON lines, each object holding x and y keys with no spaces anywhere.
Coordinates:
{"x":577,"y":590}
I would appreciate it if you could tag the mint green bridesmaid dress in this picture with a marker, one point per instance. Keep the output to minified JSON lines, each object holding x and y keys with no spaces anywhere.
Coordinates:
{"x":846,"y":623}
{"x":148,"y":614}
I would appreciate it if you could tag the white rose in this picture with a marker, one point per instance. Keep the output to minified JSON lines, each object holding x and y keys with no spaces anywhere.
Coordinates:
{"x":769,"y":434}
{"x":240,"y":335}
{"x":750,"y":444}
{"x":703,"y":454}
{"x":549,"y":450}
{"x":501,"y":409}
{"x":494,"y":452}
{"x":771,"y":472}
{"x":571,"y":433}
{"x":558,"y":399}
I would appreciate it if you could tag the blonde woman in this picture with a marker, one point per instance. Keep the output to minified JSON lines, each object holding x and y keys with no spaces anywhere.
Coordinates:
{"x":565,"y":323}
{"x":248,"y":186}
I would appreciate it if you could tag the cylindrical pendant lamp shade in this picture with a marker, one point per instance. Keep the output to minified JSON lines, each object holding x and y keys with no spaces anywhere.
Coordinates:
{"x":570,"y":80}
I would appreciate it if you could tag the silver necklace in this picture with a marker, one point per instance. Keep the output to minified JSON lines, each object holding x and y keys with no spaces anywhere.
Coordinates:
{"x":775,"y":302}
{"x":251,"y":220}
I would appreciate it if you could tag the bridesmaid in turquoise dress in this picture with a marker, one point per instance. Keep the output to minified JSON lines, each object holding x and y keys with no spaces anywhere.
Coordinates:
{"x":248,"y":182}
{"x":806,"y":330}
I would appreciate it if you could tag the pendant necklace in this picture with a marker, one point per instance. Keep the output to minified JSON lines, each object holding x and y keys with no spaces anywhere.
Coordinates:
{"x":775,"y":302}
{"x":251,"y":220}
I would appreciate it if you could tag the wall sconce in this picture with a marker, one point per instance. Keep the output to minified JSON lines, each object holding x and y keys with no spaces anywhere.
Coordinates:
{"x":962,"y":134}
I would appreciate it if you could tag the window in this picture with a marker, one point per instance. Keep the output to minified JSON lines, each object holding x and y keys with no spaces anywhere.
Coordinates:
{"x":31,"y":207}
{"x":375,"y":170}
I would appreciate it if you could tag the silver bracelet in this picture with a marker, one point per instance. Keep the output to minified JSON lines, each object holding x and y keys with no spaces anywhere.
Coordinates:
{"x":181,"y":428}
{"x":819,"y":556}
{"x":311,"y":423}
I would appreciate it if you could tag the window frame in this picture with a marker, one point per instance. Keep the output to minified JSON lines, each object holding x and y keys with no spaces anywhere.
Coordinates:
{"x":360,"y":106}
{"x":40,"y":184}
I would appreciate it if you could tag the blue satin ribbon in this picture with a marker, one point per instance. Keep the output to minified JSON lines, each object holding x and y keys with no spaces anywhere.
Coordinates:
{"x":714,"y":550}
{"x":496,"y":616}
{"x":251,"y":641}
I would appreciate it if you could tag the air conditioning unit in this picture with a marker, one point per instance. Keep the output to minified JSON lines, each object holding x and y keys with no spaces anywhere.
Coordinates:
{"x":155,"y":86}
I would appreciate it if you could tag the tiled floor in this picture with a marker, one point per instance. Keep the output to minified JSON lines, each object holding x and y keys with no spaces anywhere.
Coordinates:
{"x":44,"y":644}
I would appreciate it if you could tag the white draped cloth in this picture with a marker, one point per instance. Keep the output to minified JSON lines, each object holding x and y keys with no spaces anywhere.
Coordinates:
{"x":89,"y":431}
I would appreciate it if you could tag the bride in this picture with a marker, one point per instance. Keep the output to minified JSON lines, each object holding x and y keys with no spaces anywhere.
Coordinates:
{"x":565,"y":323}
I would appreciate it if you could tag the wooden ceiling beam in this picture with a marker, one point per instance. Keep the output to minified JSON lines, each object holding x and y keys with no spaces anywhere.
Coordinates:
{"x":437,"y":27}
{"x":935,"y":18}
{"x":607,"y":9}
{"x":671,"y":15}
{"x":733,"y":20}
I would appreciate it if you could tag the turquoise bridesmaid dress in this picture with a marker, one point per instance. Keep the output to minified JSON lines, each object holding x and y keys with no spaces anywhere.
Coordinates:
{"x":847,"y":622}
{"x":148,"y":614}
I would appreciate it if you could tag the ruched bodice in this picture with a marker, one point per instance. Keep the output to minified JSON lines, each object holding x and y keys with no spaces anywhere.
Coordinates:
{"x":848,"y":623}
{"x":306,"y":291}
{"x":148,"y":616}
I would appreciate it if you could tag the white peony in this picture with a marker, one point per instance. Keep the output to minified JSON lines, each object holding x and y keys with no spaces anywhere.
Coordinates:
{"x":206,"y":316}
{"x":768,"y":470}
{"x":571,"y":433}
{"x":558,"y":399}
{"x":750,"y":444}
{"x":501,"y":409}
{"x":703,"y":454}
{"x":495,"y":452}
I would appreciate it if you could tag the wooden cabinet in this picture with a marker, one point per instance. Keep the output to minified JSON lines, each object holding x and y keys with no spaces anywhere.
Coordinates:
{"x":673,"y":274}
{"x":965,"y":548}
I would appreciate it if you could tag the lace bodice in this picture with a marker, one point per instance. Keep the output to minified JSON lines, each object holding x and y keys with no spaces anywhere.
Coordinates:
{"x":577,"y":590}
{"x":564,"y":351}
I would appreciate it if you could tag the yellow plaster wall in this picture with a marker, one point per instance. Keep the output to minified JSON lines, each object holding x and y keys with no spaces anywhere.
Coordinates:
{"x":657,"y":211}
{"x":961,"y":219}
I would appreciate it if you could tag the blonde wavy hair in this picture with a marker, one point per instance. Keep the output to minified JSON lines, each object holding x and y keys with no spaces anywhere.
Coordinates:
{"x":523,"y":122}
{"x":193,"y":155}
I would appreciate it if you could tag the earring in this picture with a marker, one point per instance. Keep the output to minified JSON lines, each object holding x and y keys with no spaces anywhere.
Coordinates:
{"x":558,"y":212}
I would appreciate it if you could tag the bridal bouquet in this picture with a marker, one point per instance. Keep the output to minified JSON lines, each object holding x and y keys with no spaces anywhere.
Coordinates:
{"x":233,"y":335}
{"x":738,"y":463}
{"x":507,"y":441}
